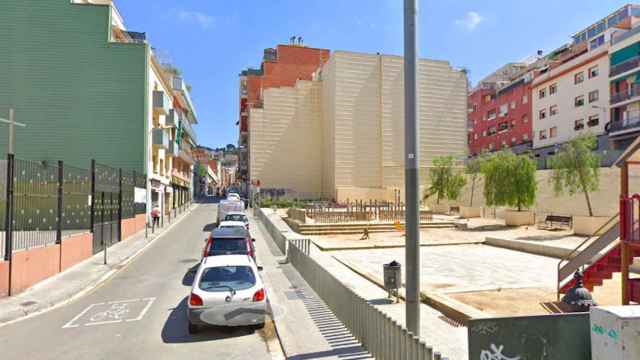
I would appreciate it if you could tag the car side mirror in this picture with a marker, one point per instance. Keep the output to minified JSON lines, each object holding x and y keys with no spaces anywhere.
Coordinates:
{"x":254,"y":240}
{"x":206,"y":239}
{"x":260,"y":268}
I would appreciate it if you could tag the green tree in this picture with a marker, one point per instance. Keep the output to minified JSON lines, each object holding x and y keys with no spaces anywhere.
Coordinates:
{"x":510,"y":180}
{"x":576,"y":168}
{"x":472,"y":168}
{"x":446,"y":183}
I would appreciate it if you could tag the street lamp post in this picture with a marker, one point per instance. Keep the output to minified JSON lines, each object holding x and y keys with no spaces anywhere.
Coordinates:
{"x":412,"y":213}
{"x":12,"y":123}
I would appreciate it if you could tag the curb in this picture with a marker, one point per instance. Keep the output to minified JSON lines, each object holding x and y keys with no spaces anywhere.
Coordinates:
{"x":20,"y":315}
{"x":453,"y":309}
{"x":377,"y":247}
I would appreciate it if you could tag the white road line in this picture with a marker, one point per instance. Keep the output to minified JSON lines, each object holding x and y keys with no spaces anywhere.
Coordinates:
{"x":103,"y":322}
{"x":144,"y":311}
{"x":68,"y":325}
{"x":125,"y":301}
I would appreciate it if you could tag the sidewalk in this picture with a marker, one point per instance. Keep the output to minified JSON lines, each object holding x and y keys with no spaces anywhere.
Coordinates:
{"x":306,"y":327}
{"x":78,"y":280}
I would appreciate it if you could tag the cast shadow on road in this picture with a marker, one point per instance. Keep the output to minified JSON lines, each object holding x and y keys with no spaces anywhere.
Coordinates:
{"x":209,"y":227}
{"x":187,"y":279}
{"x":175,"y":329}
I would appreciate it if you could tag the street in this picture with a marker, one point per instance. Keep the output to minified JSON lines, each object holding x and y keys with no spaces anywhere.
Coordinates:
{"x":139,"y":313}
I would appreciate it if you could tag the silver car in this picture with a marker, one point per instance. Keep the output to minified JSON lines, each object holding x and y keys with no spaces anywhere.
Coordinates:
{"x":227,"y":291}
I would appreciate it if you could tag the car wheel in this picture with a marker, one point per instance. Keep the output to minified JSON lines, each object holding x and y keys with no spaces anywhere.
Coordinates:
{"x":193,"y":328}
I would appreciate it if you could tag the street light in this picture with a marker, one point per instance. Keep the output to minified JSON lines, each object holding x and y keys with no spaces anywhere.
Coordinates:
{"x":412,"y":163}
{"x":12,"y":123}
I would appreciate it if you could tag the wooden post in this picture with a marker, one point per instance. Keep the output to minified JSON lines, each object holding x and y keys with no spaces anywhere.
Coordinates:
{"x":624,"y":249}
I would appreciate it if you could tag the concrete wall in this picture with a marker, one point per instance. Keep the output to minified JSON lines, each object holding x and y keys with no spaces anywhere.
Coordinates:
{"x":604,"y":201}
{"x":131,"y":226}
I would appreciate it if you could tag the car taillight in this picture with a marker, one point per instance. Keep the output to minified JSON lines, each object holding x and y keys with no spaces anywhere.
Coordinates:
{"x":195,"y":300}
{"x":259,"y":295}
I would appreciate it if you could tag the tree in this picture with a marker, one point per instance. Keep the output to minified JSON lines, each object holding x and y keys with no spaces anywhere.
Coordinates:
{"x":445,"y":181}
{"x":510,"y":180}
{"x":472,"y":168}
{"x":576,"y":168}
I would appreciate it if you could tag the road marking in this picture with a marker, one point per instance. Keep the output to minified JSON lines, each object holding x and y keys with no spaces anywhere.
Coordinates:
{"x":112,"y":312}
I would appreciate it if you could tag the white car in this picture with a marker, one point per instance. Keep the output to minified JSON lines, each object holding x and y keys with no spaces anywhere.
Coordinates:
{"x":232,"y":224}
{"x":237,"y":216}
{"x":229,"y":206}
{"x":234,"y":196}
{"x":227,"y":291}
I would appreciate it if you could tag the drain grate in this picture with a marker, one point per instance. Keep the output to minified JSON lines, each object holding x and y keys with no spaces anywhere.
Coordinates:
{"x":450,"y":321}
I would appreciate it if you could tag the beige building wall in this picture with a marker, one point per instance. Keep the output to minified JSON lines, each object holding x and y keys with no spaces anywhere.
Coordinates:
{"x":286,"y":139}
{"x":357,"y":127}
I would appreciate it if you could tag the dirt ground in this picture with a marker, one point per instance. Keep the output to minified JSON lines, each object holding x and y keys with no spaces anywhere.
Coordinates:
{"x":508,"y":302}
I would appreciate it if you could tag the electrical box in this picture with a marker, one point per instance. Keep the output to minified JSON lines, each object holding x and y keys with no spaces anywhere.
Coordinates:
{"x":615,"y":332}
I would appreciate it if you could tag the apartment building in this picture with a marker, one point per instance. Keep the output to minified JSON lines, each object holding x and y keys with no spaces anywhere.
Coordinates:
{"x":499,"y":114}
{"x":340,"y":134}
{"x":281,"y":67}
{"x":624,"y":78}
{"x":87,"y":88}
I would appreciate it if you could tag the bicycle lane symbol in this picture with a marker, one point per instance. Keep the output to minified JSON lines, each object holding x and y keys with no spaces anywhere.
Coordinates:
{"x":111,"y":312}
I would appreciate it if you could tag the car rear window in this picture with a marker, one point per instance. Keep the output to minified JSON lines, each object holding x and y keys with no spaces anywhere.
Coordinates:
{"x":224,"y":278}
{"x":236,"y":217}
{"x":228,"y":247}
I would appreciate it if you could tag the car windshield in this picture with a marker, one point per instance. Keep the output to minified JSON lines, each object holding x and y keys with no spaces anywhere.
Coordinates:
{"x":225,"y":278}
{"x":236,"y":217}
{"x":228,"y":247}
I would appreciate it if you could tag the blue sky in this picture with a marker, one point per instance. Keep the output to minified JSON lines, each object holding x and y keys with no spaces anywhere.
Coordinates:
{"x":213,"y":40}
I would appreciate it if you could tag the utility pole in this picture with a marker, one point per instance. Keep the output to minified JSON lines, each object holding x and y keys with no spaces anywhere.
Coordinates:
{"x":12,"y":123}
{"x":412,"y":163}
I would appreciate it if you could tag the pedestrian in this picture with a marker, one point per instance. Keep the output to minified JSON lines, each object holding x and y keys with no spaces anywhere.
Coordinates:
{"x":155,"y":215}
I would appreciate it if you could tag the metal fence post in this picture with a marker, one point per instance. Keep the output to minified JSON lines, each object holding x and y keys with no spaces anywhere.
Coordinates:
{"x":8,"y":239}
{"x":59,"y":220}
{"x":93,"y":193}
{"x":119,"y":205}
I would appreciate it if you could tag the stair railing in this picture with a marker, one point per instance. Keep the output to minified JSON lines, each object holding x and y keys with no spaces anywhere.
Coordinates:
{"x":582,"y":254}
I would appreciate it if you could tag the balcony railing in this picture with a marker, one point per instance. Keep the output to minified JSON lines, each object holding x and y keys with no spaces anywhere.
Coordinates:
{"x":173,"y":118}
{"x":160,"y":138}
{"x":173,"y":148}
{"x":632,"y":122}
{"x":186,"y":127}
{"x":625,"y":35}
{"x":161,"y":102}
{"x":625,"y":66}
{"x":631,"y":93}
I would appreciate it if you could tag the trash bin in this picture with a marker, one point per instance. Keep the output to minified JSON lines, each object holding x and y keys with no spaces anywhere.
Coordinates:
{"x":392,"y":275}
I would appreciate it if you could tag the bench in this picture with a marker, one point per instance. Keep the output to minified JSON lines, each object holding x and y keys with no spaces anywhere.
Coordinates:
{"x":559,"y":220}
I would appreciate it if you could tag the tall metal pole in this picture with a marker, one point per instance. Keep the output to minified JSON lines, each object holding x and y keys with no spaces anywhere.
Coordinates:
{"x":11,"y":131}
{"x":411,"y":129}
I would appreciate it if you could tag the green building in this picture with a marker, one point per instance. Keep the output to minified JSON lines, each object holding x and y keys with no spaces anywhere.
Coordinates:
{"x":79,"y":81}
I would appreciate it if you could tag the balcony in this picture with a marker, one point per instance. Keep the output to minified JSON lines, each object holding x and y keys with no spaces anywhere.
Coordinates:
{"x":180,"y":85}
{"x":186,"y":127}
{"x":161,"y":103}
{"x":160,"y":138}
{"x":172,"y":149}
{"x":627,"y":125}
{"x":173,"y":118}
{"x":625,"y":66}
{"x":185,"y":155}
{"x":632,"y":92}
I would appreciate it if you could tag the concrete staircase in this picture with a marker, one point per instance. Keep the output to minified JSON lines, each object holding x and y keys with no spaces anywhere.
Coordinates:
{"x":356,"y":228}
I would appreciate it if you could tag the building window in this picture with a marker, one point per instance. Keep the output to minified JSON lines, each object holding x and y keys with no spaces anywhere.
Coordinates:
{"x":593,"y":72}
{"x":484,"y":132}
{"x":593,"y":96}
{"x":475,"y":136}
{"x":594,"y":120}
{"x":504,"y":109}
{"x":578,"y":78}
{"x":514,"y":140}
{"x":491,"y":114}
{"x":525,"y":118}
{"x":553,"y":89}
{"x":597,"y":42}
{"x":542,"y":135}
{"x":513,"y":104}
{"x":578,"y":124}
{"x":553,"y":110}
{"x":579,"y":101}
{"x":525,"y":137}
{"x":513,"y":124}
{"x":525,"y":99}
{"x":542,"y":93}
{"x":491,"y":146}
{"x":542,"y":114}
{"x":492,"y":131}
{"x":553,"y":132}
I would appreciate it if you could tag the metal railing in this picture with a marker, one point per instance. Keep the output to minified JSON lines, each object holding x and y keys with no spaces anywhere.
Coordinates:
{"x":624,"y":66}
{"x":625,"y":35}
{"x":626,"y":124}
{"x":382,"y":336}
{"x":360,"y":211}
{"x":631,"y":93}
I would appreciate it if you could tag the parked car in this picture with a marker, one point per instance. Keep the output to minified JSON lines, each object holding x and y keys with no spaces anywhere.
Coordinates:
{"x":234,"y":196}
{"x":229,"y":241}
{"x":237,"y":216}
{"x":228,"y":206}
{"x":227,"y":291}
{"x":232,"y":224}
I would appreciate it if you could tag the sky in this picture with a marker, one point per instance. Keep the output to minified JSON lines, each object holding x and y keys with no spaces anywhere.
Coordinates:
{"x":211,"y":41}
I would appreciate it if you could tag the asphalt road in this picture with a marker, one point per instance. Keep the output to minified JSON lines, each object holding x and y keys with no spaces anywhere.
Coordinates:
{"x":140,"y":313}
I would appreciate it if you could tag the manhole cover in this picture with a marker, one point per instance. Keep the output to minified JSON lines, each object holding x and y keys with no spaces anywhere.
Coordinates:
{"x":28,"y":303}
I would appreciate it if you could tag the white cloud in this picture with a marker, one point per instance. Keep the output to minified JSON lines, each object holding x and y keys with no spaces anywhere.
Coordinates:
{"x":201,"y":19}
{"x":470,"y":21}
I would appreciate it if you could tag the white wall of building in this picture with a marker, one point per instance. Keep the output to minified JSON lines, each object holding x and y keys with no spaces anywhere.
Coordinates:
{"x":564,"y":99}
